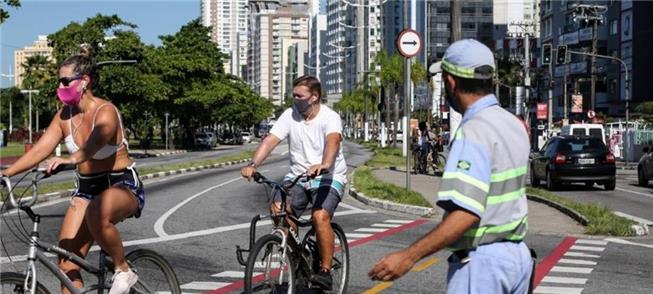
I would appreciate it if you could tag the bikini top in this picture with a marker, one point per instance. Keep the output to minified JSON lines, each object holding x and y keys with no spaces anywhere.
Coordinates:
{"x":107,"y":150}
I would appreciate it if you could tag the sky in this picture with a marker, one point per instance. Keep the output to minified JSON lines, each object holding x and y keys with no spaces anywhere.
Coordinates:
{"x":42,"y":17}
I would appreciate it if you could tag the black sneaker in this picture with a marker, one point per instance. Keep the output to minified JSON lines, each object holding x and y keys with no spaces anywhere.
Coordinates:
{"x":323,"y":280}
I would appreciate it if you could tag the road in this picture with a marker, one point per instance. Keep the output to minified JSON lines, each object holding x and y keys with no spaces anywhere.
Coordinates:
{"x":196,"y":220}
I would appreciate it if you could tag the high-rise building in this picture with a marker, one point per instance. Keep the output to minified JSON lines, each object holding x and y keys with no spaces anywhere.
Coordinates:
{"x":228,"y":22}
{"x":39,"y":47}
{"x":512,"y":20}
{"x":274,"y":27}
{"x":294,"y":65}
{"x":316,"y":61}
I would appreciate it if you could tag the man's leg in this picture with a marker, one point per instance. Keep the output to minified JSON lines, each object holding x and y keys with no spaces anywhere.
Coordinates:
{"x":325,"y":236}
{"x":325,"y":201}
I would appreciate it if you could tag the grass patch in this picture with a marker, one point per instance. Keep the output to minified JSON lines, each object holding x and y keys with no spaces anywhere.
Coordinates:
{"x":601,"y":221}
{"x":12,"y":149}
{"x":370,"y":186}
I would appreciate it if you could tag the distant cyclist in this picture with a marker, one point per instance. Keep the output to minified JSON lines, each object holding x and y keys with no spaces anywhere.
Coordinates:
{"x":314,"y":134}
{"x":108,"y":188}
{"x":482,"y":188}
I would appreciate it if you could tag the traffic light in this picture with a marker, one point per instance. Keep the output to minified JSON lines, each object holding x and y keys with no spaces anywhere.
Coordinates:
{"x":562,"y":54}
{"x":546,"y":54}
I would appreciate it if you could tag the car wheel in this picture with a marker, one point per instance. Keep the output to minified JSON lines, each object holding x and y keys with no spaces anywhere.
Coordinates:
{"x":641,"y":179}
{"x":535,"y":182}
{"x":610,"y":185}
{"x":551,"y":185}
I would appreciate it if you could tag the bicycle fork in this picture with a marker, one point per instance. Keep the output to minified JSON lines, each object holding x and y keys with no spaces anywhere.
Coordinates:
{"x":30,"y":271}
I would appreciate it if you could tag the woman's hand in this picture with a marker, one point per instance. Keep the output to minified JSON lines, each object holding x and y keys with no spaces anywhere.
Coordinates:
{"x":54,"y":162}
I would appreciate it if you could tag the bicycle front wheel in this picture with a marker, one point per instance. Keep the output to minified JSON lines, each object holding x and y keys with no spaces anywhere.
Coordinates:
{"x":14,"y":283}
{"x":267,"y":270}
{"x":155,"y":275}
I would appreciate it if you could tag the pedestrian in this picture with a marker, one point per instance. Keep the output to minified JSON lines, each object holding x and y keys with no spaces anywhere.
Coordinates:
{"x":314,"y":134}
{"x":108,"y":188}
{"x":482,"y":189}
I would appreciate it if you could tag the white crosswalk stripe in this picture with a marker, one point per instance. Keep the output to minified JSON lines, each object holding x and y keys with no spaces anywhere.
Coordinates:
{"x":386,"y":225}
{"x":592,"y":242}
{"x":587,"y":248}
{"x":370,"y":230}
{"x":357,"y":236}
{"x":196,"y":285}
{"x":557,"y":290}
{"x":581,"y":254}
{"x":570,"y":269}
{"x":564,"y":280}
{"x":395,"y":221}
{"x":576,"y":261}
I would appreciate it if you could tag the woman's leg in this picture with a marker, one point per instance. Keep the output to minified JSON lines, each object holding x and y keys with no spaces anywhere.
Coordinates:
{"x":74,"y":237}
{"x":112,"y":206}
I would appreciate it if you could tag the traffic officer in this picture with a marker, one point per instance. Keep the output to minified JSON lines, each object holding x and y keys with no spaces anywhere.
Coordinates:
{"x":482,"y":189}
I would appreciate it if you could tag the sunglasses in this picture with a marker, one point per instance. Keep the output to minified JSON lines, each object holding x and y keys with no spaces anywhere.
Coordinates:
{"x":65,"y":81}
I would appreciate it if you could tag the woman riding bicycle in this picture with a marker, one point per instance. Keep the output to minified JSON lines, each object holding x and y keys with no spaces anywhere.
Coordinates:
{"x":108,"y":188}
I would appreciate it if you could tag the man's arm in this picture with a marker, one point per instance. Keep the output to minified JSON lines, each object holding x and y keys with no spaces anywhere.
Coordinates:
{"x":395,"y":265}
{"x":269,"y":143}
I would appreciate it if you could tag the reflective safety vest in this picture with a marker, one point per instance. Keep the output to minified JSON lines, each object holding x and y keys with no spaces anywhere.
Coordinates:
{"x":485,"y":174}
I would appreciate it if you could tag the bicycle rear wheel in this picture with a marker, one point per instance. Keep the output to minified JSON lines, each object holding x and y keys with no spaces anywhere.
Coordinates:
{"x":14,"y":283}
{"x":155,"y":275}
{"x":267,"y":271}
{"x":340,"y":262}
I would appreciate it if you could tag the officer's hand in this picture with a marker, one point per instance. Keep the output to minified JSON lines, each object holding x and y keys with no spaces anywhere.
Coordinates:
{"x":247,"y":172}
{"x":392,"y":266}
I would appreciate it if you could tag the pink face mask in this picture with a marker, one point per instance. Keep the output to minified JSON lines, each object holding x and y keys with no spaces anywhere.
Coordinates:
{"x":69,"y":95}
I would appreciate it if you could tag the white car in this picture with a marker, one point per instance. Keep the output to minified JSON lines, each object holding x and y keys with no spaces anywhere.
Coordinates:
{"x":247,"y":137}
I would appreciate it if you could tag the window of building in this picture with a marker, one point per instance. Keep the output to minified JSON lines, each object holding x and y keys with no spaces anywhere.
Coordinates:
{"x":468,"y":26}
{"x":468,"y":10}
{"x":614,"y":27}
{"x":486,"y":10}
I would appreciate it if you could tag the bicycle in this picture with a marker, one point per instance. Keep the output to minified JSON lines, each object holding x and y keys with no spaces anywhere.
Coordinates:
{"x":155,"y":275}
{"x":287,"y":263}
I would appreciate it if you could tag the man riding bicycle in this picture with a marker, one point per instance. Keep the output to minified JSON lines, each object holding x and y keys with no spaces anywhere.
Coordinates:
{"x":314,"y":134}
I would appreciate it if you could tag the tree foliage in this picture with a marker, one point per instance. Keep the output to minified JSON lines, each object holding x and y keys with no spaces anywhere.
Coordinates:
{"x":4,"y":14}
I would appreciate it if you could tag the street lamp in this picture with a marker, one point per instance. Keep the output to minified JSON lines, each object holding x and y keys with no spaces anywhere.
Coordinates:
{"x":29,"y":93}
{"x":167,"y":115}
{"x":11,"y":125}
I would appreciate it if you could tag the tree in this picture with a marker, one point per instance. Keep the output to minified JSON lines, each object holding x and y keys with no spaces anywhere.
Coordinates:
{"x":509,"y":75}
{"x":39,"y":71}
{"x":4,"y":14}
{"x":392,"y":72}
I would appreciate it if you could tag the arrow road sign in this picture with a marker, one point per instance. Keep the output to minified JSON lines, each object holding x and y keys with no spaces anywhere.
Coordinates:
{"x":409,"y":43}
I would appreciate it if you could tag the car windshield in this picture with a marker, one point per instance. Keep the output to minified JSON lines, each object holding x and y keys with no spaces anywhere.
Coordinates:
{"x":584,"y":145}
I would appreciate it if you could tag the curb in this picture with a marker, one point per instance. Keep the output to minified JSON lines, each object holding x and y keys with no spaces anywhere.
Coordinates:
{"x":170,"y":153}
{"x":67,"y":193}
{"x":637,"y":229}
{"x":389,"y":205}
{"x":564,"y":209}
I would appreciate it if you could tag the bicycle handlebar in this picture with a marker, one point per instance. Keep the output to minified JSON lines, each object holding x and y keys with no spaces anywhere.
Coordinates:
{"x":36,"y":171}
{"x":259,"y":178}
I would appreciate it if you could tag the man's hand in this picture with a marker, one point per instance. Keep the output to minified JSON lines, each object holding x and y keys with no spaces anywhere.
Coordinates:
{"x":247,"y":172}
{"x":54,"y":162}
{"x":392,"y":266}
{"x":315,"y":170}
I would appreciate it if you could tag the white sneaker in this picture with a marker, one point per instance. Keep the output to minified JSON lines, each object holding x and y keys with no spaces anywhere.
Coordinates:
{"x":123,"y":281}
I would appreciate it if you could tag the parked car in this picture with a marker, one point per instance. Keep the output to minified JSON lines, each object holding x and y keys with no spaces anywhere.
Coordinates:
{"x":567,"y":159}
{"x":246,"y":136}
{"x":206,"y":139}
{"x":645,"y":167}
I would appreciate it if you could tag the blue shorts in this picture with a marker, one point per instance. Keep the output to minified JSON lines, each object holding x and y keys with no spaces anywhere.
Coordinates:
{"x":321,"y":192}
{"x":501,"y":267}
{"x":89,"y":186}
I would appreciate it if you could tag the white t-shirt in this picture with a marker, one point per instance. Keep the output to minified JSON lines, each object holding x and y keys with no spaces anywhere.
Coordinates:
{"x":307,"y":140}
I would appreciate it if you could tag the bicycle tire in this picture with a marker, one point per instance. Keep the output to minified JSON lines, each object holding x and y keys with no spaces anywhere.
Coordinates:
{"x":15,"y":284}
{"x":269,"y":278}
{"x":155,"y":275}
{"x":340,"y":265}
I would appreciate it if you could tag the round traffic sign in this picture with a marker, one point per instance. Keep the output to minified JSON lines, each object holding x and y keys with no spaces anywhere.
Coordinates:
{"x":591,"y":114}
{"x":409,"y":43}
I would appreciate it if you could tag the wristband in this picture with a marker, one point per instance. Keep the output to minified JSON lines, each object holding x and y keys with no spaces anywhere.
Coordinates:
{"x":252,"y":164}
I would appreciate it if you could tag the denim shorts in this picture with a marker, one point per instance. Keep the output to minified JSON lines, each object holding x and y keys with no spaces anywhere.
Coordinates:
{"x":321,"y":192}
{"x":89,"y":186}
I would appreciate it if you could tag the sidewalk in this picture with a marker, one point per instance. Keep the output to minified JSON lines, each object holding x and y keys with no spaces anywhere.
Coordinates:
{"x":541,"y":218}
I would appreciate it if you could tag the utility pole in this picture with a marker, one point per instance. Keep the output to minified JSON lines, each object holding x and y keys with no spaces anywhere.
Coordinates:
{"x":550,"y":104}
{"x":455,"y":21}
{"x":167,"y":114}
{"x":406,"y":119}
{"x":594,"y":14}
{"x":526,"y":29}
{"x":11,"y":124}
{"x":565,"y":97}
{"x":29,"y":93}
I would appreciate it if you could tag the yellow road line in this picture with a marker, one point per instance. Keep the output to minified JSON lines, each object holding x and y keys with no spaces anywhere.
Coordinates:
{"x":378,"y":288}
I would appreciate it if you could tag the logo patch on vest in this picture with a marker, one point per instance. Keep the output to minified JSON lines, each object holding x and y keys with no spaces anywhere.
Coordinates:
{"x":464,"y":165}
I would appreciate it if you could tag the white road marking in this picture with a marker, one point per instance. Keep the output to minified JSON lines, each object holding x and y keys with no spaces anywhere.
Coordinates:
{"x":232,"y":274}
{"x":576,"y":261}
{"x":635,"y":192}
{"x":587,"y":248}
{"x":591,"y":242}
{"x":557,"y":290}
{"x":634,"y":218}
{"x":357,"y":236}
{"x":260,"y":264}
{"x":569,"y":269}
{"x":581,"y":254}
{"x":158,"y":225}
{"x":394,"y":221}
{"x":386,"y":225}
{"x":370,"y":230}
{"x":621,"y":241}
{"x":203,"y":285}
{"x":564,"y":280}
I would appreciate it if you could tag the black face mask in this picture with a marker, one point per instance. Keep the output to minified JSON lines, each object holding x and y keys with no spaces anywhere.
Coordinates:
{"x":302,"y":106}
{"x":451,"y":100}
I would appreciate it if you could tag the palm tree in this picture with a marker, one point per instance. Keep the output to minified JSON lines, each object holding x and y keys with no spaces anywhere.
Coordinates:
{"x":391,"y":77}
{"x":39,"y":71}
